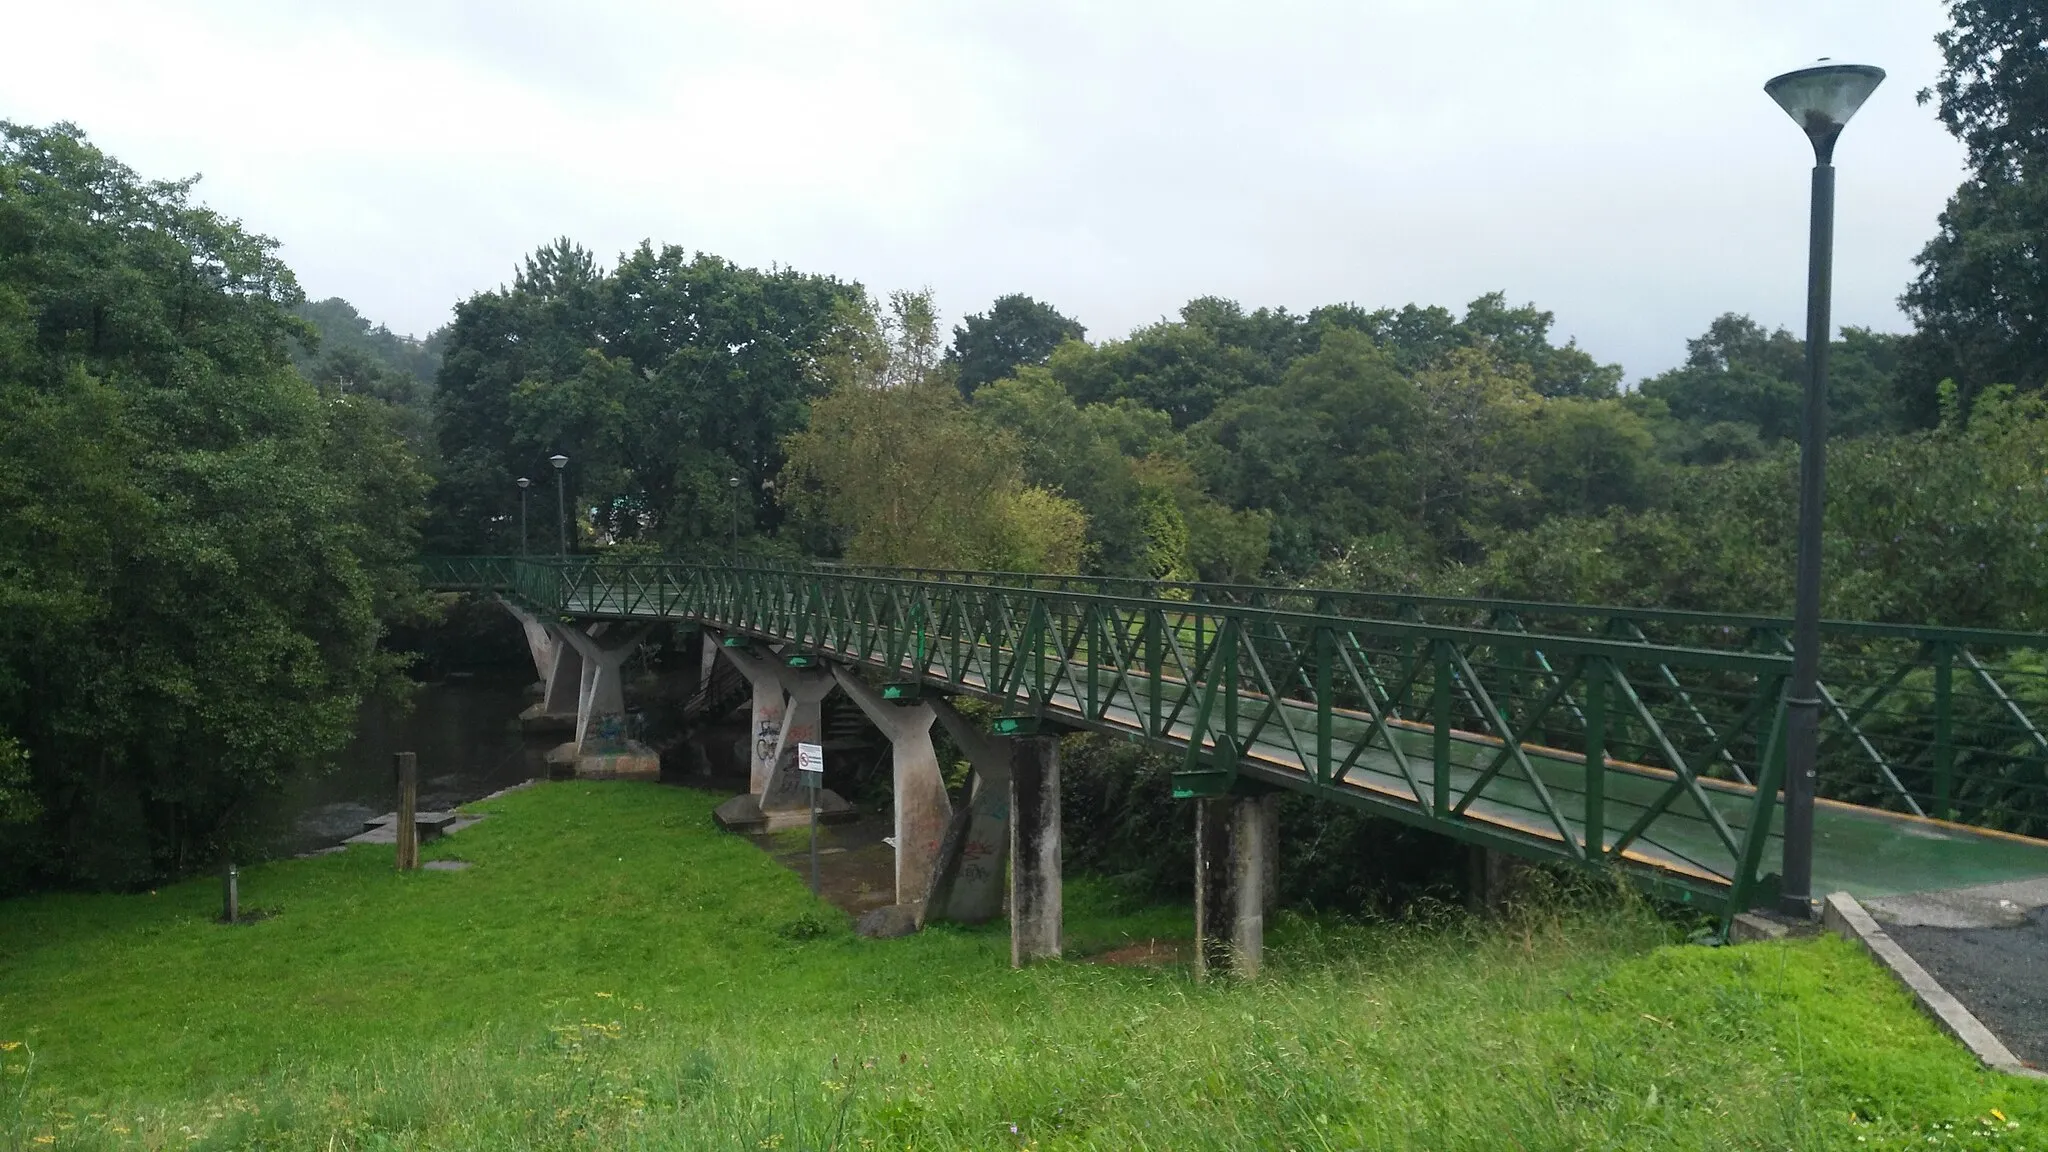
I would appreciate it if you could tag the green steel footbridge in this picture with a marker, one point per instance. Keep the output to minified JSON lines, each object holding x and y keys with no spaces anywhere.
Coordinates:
{"x":1644,"y":742}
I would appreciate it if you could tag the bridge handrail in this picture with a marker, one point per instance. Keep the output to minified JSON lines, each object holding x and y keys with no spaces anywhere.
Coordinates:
{"x":1923,"y":719}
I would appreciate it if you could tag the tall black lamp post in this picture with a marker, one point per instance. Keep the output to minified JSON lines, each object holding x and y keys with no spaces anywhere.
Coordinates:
{"x":561,"y":502}
{"x":524,"y":483}
{"x":1820,"y":100}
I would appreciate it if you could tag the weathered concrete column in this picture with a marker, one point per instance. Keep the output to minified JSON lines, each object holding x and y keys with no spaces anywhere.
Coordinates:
{"x":561,"y":688}
{"x":786,"y":714}
{"x":1494,"y":880}
{"x":967,"y":878}
{"x":541,"y":642}
{"x":1234,"y":841}
{"x":601,"y":748}
{"x":557,"y":664}
{"x":922,"y":808}
{"x":764,"y":732}
{"x":1035,"y":894}
{"x":802,"y":721}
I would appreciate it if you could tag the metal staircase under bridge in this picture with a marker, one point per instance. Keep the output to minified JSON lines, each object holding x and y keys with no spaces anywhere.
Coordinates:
{"x":1644,"y":741}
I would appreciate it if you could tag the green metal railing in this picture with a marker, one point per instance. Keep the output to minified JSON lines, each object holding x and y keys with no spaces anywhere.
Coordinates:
{"x":1943,"y":722}
{"x":1593,"y":749}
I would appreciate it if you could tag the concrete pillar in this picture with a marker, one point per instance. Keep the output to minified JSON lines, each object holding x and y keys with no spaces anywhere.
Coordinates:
{"x":967,"y":879}
{"x":559,"y":667}
{"x":802,"y":722}
{"x":1035,"y":914}
{"x":541,"y":641}
{"x":562,"y":687}
{"x":922,"y":808}
{"x":1234,"y":841}
{"x":1494,"y":880}
{"x":785,"y":714}
{"x":601,"y":747}
{"x":764,"y":733}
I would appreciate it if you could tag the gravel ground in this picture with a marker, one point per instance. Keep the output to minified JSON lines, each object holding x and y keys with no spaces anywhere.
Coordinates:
{"x":2000,"y":975}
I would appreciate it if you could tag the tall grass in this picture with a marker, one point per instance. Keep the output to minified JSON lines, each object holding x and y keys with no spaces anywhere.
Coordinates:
{"x":621,"y":976}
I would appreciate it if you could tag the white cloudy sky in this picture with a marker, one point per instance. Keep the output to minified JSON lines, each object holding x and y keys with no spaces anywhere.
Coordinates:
{"x":1616,"y":162}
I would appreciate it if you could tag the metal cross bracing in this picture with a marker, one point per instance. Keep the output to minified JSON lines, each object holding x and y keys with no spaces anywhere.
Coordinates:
{"x":1942,"y":722}
{"x":1587,"y":735}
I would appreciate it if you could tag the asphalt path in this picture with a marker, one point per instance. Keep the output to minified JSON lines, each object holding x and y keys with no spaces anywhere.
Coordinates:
{"x":1999,"y":973}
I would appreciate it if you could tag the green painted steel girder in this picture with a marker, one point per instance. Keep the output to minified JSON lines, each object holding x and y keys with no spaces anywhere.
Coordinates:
{"x":1601,"y":737}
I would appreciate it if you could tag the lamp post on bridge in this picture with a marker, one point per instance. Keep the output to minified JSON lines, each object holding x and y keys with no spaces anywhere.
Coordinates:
{"x":561,"y":503}
{"x":1820,"y":99}
{"x":524,"y":483}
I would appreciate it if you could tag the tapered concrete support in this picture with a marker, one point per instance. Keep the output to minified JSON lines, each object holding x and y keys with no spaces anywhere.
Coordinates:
{"x":1035,"y":894}
{"x":802,"y":721}
{"x":785,"y":714}
{"x":601,"y":747}
{"x":765,"y":728}
{"x":967,"y":878}
{"x":1234,"y":841}
{"x":922,"y":808}
{"x":558,"y":666}
{"x":541,"y":641}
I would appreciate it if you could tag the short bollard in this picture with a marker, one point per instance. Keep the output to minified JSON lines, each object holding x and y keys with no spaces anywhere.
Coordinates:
{"x":407,"y":828}
{"x":230,"y":894}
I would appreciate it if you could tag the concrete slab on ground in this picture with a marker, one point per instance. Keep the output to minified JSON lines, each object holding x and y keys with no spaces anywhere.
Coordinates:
{"x":387,"y":833}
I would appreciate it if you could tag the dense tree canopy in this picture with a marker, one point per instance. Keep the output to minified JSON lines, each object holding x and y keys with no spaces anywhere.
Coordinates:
{"x":1980,"y":301}
{"x":197,"y":548}
{"x":662,"y":380}
{"x":1015,"y":331}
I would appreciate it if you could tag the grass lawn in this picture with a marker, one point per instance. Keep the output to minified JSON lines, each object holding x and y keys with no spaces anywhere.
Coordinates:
{"x":615,"y":973}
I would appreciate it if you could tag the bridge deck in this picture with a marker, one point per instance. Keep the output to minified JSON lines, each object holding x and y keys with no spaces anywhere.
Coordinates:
{"x":1331,"y":706}
{"x":1866,"y":851}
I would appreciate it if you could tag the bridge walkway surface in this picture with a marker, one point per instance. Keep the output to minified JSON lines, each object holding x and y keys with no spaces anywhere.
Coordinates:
{"x":1645,"y":741}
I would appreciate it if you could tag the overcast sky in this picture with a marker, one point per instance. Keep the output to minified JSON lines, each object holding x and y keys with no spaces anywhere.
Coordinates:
{"x":1616,"y":163}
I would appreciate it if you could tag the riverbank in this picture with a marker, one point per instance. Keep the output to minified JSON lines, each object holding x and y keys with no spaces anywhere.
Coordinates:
{"x":613,"y":971}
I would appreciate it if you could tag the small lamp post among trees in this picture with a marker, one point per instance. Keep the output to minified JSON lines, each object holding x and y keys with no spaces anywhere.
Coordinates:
{"x":561,"y":503}
{"x":1820,"y":99}
{"x":733,"y":483}
{"x":524,"y":483}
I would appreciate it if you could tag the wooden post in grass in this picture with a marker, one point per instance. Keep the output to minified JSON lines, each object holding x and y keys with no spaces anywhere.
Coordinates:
{"x":407,"y":827}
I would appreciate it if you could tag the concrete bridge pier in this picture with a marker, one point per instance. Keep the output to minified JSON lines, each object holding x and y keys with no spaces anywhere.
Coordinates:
{"x":802,"y":722}
{"x":922,"y":808}
{"x":785,"y":713}
{"x":601,"y":749}
{"x":1035,"y":893}
{"x":967,"y":878}
{"x":558,"y":664}
{"x":764,"y":728}
{"x":1235,"y":841}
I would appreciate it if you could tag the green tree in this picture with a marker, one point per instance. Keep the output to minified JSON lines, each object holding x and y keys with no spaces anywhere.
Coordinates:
{"x":1982,"y":288}
{"x":896,"y":469}
{"x":1328,"y":452}
{"x":1739,"y":390}
{"x":1016,"y":331}
{"x":198,"y":552}
{"x":663,"y":380}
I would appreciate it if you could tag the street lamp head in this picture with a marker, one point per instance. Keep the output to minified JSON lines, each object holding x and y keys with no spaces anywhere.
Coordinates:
{"x":732,"y":482}
{"x":523,"y":482}
{"x":559,"y":461}
{"x":1821,"y":98}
